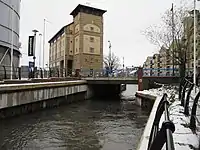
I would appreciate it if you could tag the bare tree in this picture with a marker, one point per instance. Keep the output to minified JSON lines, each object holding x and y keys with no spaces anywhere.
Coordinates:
{"x":111,"y":62}
{"x":172,"y":34}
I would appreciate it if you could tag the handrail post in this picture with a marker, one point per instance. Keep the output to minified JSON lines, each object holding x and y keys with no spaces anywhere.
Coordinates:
{"x":183,"y":94}
{"x":155,"y":126}
{"x":58,"y":73}
{"x":19,"y":73}
{"x":65,"y":73}
{"x":193,"y":113}
{"x":41,"y":73}
{"x":158,"y":138}
{"x":181,"y":88}
{"x":186,"y":107}
{"x":50,"y":72}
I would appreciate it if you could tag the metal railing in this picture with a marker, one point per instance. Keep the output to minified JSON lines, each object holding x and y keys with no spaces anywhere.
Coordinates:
{"x":26,"y":72}
{"x":159,"y":137}
{"x":186,"y":85}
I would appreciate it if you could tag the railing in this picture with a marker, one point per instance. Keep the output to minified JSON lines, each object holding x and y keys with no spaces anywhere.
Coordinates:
{"x":160,"y":72}
{"x":187,"y":86}
{"x":26,"y":72}
{"x":159,"y":137}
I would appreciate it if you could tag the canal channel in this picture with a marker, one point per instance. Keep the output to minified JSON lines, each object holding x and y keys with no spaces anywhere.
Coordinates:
{"x":89,"y":125}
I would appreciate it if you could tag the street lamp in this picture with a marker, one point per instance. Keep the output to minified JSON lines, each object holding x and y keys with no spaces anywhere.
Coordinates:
{"x":110,"y":55}
{"x":40,"y":49}
{"x":35,"y":33}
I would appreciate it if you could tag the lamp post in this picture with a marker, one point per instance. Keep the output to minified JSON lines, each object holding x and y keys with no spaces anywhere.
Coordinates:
{"x":35,"y":33}
{"x":44,"y":32}
{"x":173,"y":44}
{"x":123,"y":67}
{"x":40,"y":50}
{"x":44,"y":38}
{"x":110,"y":56}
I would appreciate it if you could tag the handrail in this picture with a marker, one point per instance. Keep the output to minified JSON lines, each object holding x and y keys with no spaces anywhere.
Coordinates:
{"x":193,"y":113}
{"x":159,"y":137}
{"x":187,"y":86}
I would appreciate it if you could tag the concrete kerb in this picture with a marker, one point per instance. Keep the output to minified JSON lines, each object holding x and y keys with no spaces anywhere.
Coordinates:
{"x":32,"y":86}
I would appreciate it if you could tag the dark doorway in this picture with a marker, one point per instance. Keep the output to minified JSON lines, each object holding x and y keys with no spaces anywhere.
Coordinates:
{"x":62,"y":68}
{"x":69,"y":67}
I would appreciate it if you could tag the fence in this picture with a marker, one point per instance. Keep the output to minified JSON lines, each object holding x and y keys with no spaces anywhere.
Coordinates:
{"x":189,"y":101}
{"x":160,"y":72}
{"x":159,"y":137}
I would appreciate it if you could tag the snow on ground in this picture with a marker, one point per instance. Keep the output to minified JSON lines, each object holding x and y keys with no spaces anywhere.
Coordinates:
{"x":184,"y":138}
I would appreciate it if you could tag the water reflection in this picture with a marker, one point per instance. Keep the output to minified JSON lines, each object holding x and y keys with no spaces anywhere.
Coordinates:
{"x":89,"y":125}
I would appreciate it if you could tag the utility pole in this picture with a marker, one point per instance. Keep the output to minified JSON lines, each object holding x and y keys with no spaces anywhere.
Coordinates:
{"x":173,"y":44}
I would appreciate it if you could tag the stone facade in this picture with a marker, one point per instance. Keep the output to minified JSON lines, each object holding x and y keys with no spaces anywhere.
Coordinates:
{"x":79,"y":45}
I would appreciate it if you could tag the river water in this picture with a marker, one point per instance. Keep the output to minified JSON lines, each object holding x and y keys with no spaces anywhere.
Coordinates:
{"x":88,"y":125}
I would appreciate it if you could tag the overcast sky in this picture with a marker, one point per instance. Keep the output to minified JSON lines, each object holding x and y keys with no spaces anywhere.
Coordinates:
{"x":123,"y":23}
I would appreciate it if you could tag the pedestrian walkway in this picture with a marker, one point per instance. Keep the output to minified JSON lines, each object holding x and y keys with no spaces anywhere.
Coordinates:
{"x":184,"y":138}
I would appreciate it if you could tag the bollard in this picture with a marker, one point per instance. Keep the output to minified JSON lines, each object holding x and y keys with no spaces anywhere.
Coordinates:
{"x":41,"y":73}
{"x":19,"y":73}
{"x":140,"y":83}
{"x":5,"y":75}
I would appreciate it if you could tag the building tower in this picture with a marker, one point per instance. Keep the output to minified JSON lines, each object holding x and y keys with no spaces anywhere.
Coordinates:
{"x":88,"y":38}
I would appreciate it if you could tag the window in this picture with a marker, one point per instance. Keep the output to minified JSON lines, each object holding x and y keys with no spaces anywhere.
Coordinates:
{"x":91,"y":39}
{"x":71,"y":41}
{"x":85,"y":59}
{"x":91,"y":50}
{"x":92,"y":28}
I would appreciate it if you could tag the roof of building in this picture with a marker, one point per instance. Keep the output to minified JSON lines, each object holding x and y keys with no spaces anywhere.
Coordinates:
{"x":59,"y":32}
{"x":82,"y":7}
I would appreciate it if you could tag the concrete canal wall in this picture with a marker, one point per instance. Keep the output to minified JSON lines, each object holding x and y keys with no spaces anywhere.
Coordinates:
{"x":145,"y":100}
{"x":143,"y":145}
{"x":17,"y":99}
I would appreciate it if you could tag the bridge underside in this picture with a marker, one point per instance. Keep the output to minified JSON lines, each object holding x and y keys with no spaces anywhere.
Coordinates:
{"x":111,"y":82}
{"x":104,"y":90}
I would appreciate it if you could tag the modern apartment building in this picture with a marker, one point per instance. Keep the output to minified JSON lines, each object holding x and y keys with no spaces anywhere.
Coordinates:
{"x":79,"y":45}
{"x":148,"y":66}
{"x":189,"y":40}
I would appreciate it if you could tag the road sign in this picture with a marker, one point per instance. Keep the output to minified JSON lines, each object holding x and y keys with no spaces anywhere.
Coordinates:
{"x":31,"y":46}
